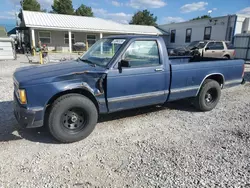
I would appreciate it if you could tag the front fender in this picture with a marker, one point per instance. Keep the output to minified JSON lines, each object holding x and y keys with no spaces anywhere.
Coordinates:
{"x":90,"y":90}
{"x":40,"y":96}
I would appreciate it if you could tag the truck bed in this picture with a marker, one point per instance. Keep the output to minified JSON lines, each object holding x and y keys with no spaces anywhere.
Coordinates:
{"x":188,"y":74}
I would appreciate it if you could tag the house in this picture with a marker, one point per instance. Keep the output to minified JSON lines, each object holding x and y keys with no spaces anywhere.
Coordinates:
{"x":218,"y":28}
{"x":3,"y":32}
{"x":59,"y":32}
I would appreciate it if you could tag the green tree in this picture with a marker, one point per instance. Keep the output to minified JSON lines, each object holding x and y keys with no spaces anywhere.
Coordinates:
{"x":84,"y":10}
{"x":63,"y":7}
{"x":31,"y":5}
{"x":144,"y":18}
{"x":202,"y":17}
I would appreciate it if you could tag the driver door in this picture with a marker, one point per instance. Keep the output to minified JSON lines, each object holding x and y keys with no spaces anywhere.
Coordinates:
{"x":142,"y":82}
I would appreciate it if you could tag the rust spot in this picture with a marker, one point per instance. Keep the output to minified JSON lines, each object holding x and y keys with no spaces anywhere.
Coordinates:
{"x":83,"y":72}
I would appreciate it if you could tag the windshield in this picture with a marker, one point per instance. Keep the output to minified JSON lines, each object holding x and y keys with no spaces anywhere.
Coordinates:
{"x":102,"y":51}
{"x":197,"y":44}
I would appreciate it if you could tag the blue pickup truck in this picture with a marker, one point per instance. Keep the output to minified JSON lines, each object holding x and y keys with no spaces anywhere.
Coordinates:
{"x":116,"y":73}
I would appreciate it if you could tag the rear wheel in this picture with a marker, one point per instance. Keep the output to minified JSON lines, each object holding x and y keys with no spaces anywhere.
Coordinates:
{"x":226,"y":57}
{"x":209,"y":95}
{"x":72,"y":118}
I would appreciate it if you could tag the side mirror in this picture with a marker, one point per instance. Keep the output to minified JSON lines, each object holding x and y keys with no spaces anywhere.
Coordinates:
{"x":123,"y":63}
{"x":207,"y":48}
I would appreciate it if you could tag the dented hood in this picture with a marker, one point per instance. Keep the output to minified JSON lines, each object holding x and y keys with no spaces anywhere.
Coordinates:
{"x":39,"y":74}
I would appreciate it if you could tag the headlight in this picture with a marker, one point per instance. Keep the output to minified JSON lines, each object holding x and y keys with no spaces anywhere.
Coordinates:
{"x":22,"y":96}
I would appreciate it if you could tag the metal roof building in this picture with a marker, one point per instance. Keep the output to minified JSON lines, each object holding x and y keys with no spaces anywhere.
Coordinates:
{"x":216,"y":28}
{"x":60,"y":31}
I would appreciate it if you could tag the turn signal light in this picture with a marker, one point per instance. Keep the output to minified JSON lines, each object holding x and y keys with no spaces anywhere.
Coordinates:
{"x":22,"y":96}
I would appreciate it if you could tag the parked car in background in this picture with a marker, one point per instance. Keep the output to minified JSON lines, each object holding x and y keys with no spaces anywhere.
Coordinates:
{"x":206,"y":48}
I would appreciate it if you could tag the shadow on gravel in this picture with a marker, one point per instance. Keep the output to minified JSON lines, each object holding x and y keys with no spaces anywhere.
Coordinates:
{"x":182,"y":105}
{"x":247,"y":76}
{"x":130,"y":113}
{"x":10,"y":131}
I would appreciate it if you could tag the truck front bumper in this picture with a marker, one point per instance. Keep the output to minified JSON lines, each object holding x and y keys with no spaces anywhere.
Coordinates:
{"x":27,"y":118}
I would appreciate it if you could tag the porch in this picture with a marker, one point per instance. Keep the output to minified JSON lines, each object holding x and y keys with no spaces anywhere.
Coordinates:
{"x":64,"y":41}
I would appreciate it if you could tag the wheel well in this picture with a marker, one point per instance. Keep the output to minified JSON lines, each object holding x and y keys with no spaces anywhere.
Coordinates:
{"x":218,"y":78}
{"x":227,"y":55}
{"x":76,"y":91}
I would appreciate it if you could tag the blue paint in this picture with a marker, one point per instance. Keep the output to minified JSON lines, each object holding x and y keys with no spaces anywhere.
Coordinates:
{"x":126,"y":89}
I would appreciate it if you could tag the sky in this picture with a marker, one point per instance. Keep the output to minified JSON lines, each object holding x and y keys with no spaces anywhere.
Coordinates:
{"x":122,"y":10}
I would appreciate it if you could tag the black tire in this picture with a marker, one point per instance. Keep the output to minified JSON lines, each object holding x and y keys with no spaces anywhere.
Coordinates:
{"x":72,"y":118}
{"x":226,"y":57}
{"x":209,"y":95}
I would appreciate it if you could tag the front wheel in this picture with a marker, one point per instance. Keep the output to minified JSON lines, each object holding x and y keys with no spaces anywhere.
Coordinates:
{"x":209,"y":95}
{"x":72,"y":118}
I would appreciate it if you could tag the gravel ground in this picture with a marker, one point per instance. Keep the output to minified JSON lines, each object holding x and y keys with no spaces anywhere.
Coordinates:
{"x":170,"y":146}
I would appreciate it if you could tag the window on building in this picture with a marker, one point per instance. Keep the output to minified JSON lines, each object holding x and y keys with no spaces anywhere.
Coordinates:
{"x":188,"y":35}
{"x":207,"y":33}
{"x":230,"y":30}
{"x":142,"y":54}
{"x":172,"y":36}
{"x":91,"y":39}
{"x":44,"y":37}
{"x":66,"y":38}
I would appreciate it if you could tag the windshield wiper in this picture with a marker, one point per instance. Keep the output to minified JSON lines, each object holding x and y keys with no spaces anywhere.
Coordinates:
{"x":87,"y":61}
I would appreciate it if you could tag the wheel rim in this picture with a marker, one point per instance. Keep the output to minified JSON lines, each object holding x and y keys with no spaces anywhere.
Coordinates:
{"x":74,"y":120}
{"x":211,"y":96}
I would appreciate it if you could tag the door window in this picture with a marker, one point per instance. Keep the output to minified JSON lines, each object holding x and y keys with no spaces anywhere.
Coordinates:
{"x":215,"y":46}
{"x":210,"y":45}
{"x":142,"y":53}
{"x":230,"y":46}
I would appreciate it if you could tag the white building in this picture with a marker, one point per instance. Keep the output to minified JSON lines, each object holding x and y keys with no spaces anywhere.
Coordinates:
{"x":59,"y":32}
{"x":219,"y":28}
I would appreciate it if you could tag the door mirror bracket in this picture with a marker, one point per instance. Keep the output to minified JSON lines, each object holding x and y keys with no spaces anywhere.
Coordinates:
{"x":123,"y":63}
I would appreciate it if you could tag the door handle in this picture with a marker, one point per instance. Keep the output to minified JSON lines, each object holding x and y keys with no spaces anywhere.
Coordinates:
{"x":213,"y":51}
{"x":159,"y":70}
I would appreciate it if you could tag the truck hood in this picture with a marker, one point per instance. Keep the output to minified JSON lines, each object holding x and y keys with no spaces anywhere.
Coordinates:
{"x":51,"y":72}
